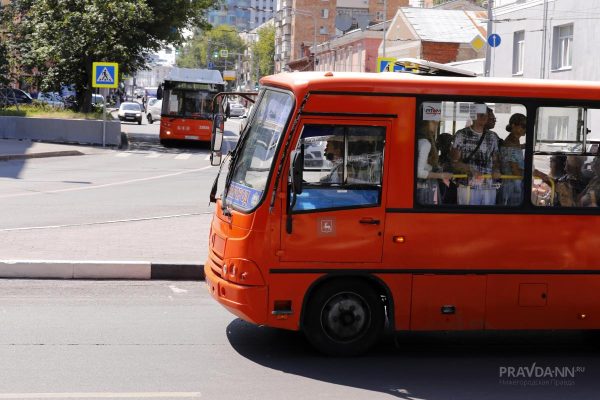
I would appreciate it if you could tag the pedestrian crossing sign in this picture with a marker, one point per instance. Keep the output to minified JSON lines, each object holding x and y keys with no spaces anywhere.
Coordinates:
{"x":105,"y":75}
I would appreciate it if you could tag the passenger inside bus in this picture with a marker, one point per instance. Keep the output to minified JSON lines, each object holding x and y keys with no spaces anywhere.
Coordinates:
{"x":475,"y":153}
{"x":428,"y":168}
{"x":513,"y":161}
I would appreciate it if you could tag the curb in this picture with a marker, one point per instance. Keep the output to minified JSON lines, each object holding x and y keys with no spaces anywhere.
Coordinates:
{"x":63,"y":153}
{"x":133,"y":270}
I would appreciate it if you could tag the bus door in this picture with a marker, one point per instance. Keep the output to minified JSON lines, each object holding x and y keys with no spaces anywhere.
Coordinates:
{"x":339,"y":215}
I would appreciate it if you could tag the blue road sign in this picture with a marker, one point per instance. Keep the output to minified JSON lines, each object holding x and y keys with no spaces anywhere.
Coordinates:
{"x":105,"y":75}
{"x":494,"y":40}
{"x":211,"y":65}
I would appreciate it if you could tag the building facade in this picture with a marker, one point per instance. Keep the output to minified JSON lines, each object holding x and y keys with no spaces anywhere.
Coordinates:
{"x":245,"y":15}
{"x":546,"y":39}
{"x":436,"y":34}
{"x":302,"y":24}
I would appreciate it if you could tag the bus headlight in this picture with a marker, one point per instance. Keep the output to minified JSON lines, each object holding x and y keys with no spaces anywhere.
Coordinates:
{"x":243,"y":272}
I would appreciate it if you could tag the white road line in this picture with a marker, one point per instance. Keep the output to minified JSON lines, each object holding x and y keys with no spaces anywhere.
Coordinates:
{"x":103,"y":395}
{"x":183,"y":156}
{"x":150,"y":178}
{"x":177,"y":290}
{"x":122,"y":154}
{"x":153,"y":155}
{"x":116,"y":221}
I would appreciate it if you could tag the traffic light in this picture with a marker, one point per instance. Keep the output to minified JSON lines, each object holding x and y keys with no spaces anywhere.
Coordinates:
{"x":215,"y":54}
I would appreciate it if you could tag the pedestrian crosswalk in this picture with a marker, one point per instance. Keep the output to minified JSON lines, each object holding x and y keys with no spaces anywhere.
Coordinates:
{"x":163,"y":155}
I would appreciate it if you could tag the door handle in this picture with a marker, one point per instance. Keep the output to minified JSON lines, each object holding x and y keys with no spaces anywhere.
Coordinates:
{"x":369,"y":221}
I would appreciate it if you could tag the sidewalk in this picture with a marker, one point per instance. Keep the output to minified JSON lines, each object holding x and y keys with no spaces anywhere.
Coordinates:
{"x":11,"y":149}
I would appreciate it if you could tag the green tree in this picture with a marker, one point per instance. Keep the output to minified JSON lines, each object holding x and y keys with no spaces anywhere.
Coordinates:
{"x":205,"y":43}
{"x":264,"y":50}
{"x":62,"y":38}
{"x":4,"y":64}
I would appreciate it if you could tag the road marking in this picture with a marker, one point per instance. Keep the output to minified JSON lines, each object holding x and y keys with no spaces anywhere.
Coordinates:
{"x":150,"y":178}
{"x":123,"y":154}
{"x":183,"y":156}
{"x":103,"y":395}
{"x":116,"y":221}
{"x":175,"y":289}
{"x":153,"y":155}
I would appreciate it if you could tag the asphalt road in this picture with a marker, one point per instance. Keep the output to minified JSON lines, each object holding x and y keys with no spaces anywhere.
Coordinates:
{"x":157,"y":339}
{"x":145,"y":203}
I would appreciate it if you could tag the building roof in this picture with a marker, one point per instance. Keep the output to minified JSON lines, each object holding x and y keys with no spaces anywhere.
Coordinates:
{"x":195,"y":75}
{"x":448,"y":26}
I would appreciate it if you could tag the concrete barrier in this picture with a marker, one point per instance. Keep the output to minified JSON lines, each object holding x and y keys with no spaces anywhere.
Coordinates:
{"x":60,"y":130}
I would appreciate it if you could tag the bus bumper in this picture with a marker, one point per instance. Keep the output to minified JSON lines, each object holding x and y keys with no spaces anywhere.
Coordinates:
{"x":247,"y":302}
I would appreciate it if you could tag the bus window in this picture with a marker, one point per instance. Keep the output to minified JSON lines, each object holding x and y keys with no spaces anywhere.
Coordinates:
{"x":564,"y":163}
{"x":342,"y":166}
{"x":470,"y":154}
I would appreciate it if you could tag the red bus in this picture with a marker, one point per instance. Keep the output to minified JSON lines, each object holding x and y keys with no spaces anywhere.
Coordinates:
{"x":187,"y":112}
{"x":358,"y":203}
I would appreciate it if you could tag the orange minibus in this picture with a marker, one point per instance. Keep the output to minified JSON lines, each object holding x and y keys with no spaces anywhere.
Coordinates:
{"x":356,"y":203}
{"x":187,"y":109}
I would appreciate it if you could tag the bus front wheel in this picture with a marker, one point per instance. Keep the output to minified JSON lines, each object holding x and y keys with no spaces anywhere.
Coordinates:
{"x":344,"y":318}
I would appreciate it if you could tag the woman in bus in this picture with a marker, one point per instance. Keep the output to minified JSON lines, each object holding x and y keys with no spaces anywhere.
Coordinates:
{"x":512,"y":161}
{"x":428,"y":164}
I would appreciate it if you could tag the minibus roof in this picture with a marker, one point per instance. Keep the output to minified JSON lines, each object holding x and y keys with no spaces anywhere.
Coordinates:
{"x":395,"y":83}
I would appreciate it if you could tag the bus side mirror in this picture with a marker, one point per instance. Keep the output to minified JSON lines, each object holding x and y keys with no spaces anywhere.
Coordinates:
{"x":297,"y":170}
{"x":215,"y":159}
{"x":216,"y":140}
{"x":217,"y":133}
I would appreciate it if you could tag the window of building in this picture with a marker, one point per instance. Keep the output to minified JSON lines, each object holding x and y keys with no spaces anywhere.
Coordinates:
{"x":518,"y":52}
{"x":342,"y":166}
{"x":323,"y":30}
{"x":470,"y":154}
{"x":325,"y":13}
{"x":379,"y":15}
{"x":563,"y":46}
{"x":566,"y":166}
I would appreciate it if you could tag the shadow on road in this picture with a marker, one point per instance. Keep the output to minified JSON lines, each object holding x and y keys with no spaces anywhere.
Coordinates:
{"x":12,"y":167}
{"x":439,"y":365}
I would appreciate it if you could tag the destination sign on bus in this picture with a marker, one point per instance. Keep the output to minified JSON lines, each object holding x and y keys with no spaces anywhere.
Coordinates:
{"x":193,"y":86}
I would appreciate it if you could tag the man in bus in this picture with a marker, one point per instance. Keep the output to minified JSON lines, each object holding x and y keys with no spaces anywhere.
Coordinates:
{"x":475,"y":153}
{"x":334,"y":153}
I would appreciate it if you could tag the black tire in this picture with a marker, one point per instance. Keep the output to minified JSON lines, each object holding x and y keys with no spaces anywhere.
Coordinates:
{"x":344,"y":317}
{"x":140,"y":121}
{"x":150,"y":120}
{"x":166,"y":143}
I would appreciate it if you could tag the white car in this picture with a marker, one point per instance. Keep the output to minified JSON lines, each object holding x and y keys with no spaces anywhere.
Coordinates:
{"x":51,"y":99}
{"x":97,"y":99}
{"x":130,"y":111}
{"x":153,"y":112}
{"x":236,"y":110}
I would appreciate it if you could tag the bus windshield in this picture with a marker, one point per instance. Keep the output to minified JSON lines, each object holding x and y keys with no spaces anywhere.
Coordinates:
{"x":255,"y":157}
{"x":189,"y":100}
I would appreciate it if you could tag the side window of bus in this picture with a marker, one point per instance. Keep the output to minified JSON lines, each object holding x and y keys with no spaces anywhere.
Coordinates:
{"x":469,"y":154}
{"x":342,"y":166}
{"x":566,"y":168}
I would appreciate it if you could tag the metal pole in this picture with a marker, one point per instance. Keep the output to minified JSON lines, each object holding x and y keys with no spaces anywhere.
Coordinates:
{"x":104,"y":122}
{"x":490,"y":27}
{"x":544,"y":40}
{"x":384,"y":24}
{"x":314,"y":42}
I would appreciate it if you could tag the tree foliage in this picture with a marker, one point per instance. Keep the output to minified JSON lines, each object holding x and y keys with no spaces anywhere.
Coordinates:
{"x":264,"y":50}
{"x":201,"y":48}
{"x":60,"y":39}
{"x":4,"y":64}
